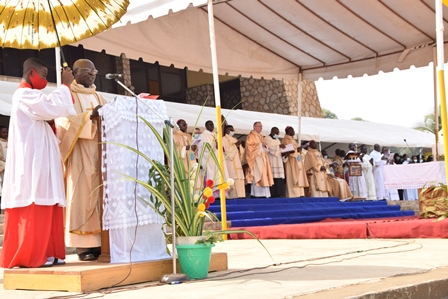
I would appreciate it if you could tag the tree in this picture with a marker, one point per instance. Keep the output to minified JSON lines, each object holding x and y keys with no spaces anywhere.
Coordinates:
{"x":358,"y":118}
{"x":328,"y":114}
{"x":429,"y":124}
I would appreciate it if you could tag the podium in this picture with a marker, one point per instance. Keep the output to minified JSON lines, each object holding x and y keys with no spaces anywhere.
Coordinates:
{"x":134,"y":228}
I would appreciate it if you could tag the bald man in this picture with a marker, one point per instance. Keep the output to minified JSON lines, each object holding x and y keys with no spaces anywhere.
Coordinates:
{"x":79,"y":151}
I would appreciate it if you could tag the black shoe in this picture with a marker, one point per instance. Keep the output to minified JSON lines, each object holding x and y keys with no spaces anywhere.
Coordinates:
{"x":95,"y":251}
{"x":87,"y":256}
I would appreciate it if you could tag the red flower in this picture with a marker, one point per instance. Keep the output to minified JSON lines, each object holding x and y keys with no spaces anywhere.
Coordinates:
{"x":211,"y":199}
{"x":209,"y":183}
{"x":207,"y":205}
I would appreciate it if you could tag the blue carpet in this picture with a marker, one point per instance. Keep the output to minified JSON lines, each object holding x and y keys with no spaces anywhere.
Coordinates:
{"x":272,"y":211}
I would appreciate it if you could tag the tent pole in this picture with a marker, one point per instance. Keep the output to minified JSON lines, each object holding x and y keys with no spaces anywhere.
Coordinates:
{"x":441,"y":77}
{"x":436,"y":105}
{"x":219,"y":130}
{"x":299,"y":109}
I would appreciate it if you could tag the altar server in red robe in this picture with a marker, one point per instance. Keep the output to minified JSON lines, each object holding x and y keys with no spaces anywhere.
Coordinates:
{"x":33,"y":194}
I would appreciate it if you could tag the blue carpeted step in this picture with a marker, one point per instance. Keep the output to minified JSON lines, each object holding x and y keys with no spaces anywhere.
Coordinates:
{"x":320,"y":211}
{"x":311,"y":205}
{"x":245,"y":201}
{"x":316,"y":218}
{"x":272,"y":211}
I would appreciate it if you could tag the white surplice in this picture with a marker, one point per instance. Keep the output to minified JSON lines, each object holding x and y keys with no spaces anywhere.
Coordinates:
{"x":368,"y":175}
{"x":209,"y":166}
{"x":275,"y":157}
{"x":378,"y":175}
{"x":33,"y":171}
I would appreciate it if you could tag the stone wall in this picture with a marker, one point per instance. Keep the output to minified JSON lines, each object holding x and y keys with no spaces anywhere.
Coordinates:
{"x":123,"y":66}
{"x":199,"y":94}
{"x":279,"y":96}
{"x":272,"y":96}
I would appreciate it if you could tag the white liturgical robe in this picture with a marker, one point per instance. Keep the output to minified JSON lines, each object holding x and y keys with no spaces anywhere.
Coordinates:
{"x":33,"y":171}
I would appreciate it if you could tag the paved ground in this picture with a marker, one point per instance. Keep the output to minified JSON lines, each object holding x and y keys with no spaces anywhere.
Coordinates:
{"x":323,"y":268}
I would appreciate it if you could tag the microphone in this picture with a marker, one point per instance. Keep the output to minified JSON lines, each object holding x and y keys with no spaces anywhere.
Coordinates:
{"x":113,"y":76}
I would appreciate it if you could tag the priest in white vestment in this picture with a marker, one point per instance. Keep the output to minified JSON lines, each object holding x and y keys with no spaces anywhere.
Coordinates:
{"x":379,"y":160}
{"x":367,"y":170}
{"x":274,"y":145}
{"x":210,"y":168}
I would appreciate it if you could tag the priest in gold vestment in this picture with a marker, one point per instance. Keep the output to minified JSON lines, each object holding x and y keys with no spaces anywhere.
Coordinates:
{"x":233,"y":162}
{"x":316,"y":170}
{"x":183,"y":143}
{"x":296,"y":179}
{"x":79,"y":151}
{"x":259,"y":172}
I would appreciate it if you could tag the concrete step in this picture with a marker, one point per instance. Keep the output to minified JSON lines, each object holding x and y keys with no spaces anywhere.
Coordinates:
{"x":432,"y":284}
{"x":406,"y":205}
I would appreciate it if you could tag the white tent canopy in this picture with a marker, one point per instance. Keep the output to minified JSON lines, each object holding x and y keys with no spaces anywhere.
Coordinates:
{"x":277,"y":39}
{"x":319,"y":129}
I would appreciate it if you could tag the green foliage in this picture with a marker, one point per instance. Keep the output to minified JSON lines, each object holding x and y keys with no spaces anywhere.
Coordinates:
{"x":328,"y":114}
{"x":429,"y":124}
{"x":358,"y":118}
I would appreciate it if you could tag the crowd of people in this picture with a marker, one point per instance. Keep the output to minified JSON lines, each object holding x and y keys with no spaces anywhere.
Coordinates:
{"x":267,"y":166}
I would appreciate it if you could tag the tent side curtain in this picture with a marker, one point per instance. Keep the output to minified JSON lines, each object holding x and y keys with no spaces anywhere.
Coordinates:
{"x":318,"y":129}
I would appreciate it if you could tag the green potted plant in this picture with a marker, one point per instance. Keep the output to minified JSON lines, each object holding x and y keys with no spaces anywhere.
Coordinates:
{"x":190,"y":202}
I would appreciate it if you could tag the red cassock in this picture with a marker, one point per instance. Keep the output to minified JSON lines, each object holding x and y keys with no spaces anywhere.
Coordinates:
{"x":32,"y":234}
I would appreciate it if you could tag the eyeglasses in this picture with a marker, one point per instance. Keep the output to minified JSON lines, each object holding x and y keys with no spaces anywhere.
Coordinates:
{"x":88,"y":70}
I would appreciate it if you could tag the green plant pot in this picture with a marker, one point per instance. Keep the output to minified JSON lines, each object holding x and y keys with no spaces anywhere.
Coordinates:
{"x":194,"y":259}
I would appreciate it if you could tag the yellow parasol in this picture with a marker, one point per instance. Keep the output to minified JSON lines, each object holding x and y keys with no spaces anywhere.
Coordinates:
{"x":41,"y":24}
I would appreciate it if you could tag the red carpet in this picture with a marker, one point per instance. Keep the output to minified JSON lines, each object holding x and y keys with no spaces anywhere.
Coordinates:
{"x":388,"y":228}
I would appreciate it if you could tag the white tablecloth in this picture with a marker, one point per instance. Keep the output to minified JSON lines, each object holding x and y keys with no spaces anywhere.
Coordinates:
{"x":414,"y":176}
{"x":135,"y":229}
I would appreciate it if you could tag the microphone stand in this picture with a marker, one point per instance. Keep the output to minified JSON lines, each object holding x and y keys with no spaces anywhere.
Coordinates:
{"x":408,"y":146}
{"x":173,"y":278}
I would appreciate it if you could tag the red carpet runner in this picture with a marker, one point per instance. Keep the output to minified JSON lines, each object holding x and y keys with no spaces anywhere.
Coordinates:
{"x":390,"y":228}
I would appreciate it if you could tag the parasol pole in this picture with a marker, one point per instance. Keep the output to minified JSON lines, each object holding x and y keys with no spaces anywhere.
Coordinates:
{"x":441,"y":78}
{"x":222,"y":193}
{"x":58,"y":51}
{"x":57,"y":55}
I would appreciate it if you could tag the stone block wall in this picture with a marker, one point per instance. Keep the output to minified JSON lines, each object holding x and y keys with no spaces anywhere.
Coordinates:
{"x":279,"y":96}
{"x":123,"y":66}
{"x":272,"y":96}
{"x":199,"y":94}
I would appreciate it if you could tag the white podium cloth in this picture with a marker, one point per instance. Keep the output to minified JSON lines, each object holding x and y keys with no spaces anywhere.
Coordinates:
{"x":135,"y":230}
{"x":414,"y":176}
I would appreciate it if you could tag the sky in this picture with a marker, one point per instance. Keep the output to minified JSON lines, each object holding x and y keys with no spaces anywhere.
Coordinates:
{"x":398,"y":98}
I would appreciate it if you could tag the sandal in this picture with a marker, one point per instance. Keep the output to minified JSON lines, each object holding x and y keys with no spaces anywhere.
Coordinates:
{"x":58,"y":261}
